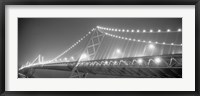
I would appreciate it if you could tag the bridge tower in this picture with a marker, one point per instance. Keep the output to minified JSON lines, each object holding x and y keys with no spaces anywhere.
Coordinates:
{"x":29,"y":72}
{"x":91,"y":50}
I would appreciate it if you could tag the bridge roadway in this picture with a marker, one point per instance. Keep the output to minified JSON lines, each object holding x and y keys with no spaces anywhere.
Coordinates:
{"x":170,"y":66}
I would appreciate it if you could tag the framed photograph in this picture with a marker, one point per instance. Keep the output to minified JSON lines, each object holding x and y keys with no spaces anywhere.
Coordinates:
{"x":112,"y":48}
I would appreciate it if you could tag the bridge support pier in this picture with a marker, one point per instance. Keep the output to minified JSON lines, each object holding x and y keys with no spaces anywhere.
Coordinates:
{"x":77,"y":74}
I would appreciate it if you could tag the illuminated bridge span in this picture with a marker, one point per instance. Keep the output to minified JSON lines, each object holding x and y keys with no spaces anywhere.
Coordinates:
{"x":152,"y":61}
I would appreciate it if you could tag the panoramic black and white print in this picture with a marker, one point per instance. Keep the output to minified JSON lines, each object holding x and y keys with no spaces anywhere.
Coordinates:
{"x":99,"y":47}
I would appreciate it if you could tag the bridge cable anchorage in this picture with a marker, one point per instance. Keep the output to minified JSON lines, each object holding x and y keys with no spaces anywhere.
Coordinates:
{"x":89,"y":52}
{"x":137,"y":30}
{"x":71,"y":47}
{"x":142,"y":41}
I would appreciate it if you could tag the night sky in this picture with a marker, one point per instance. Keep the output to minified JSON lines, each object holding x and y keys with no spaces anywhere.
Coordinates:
{"x":51,"y":36}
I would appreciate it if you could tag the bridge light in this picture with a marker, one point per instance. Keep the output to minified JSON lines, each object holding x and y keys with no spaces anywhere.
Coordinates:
{"x":179,"y":30}
{"x":118,"y":51}
{"x":127,"y":30}
{"x":159,"y":30}
{"x":115,"y":29}
{"x":132,"y":30}
{"x":168,"y":30}
{"x":163,"y":43}
{"x":138,"y":31}
{"x":123,"y":30}
{"x":151,"y":31}
{"x":72,"y":58}
{"x":157,"y":60}
{"x":140,"y":61}
{"x":172,"y":43}
{"x":119,"y":30}
{"x":149,"y":41}
{"x":106,"y":62}
{"x":144,"y":31}
{"x":84,"y":56}
{"x":144,"y":41}
{"x":151,"y":46}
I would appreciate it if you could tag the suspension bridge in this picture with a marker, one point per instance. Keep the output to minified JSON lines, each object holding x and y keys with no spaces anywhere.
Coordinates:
{"x":114,"y":51}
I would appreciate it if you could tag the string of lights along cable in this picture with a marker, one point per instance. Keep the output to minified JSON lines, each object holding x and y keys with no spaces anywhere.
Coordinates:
{"x":138,"y":30}
{"x":142,"y":41}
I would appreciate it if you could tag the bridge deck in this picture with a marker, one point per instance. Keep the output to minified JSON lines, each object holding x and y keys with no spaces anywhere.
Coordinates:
{"x":122,"y":67}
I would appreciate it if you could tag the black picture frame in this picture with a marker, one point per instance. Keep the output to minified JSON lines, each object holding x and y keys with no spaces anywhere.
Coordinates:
{"x":99,"y":2}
